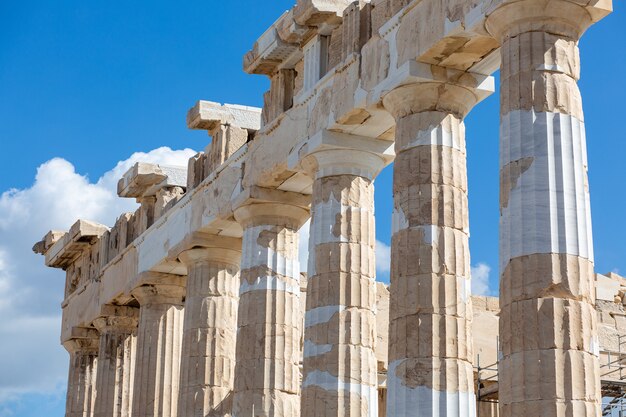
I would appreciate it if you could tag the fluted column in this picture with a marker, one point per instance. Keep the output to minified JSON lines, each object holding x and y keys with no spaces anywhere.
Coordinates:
{"x":116,"y":361}
{"x":210,"y":329}
{"x":430,"y":346}
{"x":159,"y":338}
{"x":267,"y":375}
{"x":548,"y":332}
{"x":81,"y":382}
{"x":340,"y":368}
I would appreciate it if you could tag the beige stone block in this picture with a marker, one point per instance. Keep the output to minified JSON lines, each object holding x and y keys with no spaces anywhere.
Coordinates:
{"x":356,"y":28}
{"x":352,"y":326}
{"x":195,"y":169}
{"x":317,"y":12}
{"x":279,"y":98}
{"x":278,"y":404}
{"x":432,"y":294}
{"x":430,"y":336}
{"x":418,"y":251}
{"x":440,"y":374}
{"x":381,"y":13}
{"x":382,"y":324}
{"x":320,"y":403}
{"x":548,"y":323}
{"x":549,"y":375}
{"x":226,"y":141}
{"x":335,"y":47}
{"x":276,"y":307}
{"x":544,"y":275}
{"x":348,"y":258}
{"x":375,"y":61}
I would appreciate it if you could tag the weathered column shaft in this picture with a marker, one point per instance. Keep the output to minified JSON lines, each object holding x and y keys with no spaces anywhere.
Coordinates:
{"x":159,"y":339}
{"x":81,"y":383}
{"x":267,"y":375}
{"x":430,"y":346}
{"x":210,"y":331}
{"x":340,"y":368}
{"x":116,"y":362}
{"x":548,"y":332}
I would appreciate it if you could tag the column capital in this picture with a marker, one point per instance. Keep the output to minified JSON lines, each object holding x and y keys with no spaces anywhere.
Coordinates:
{"x":568,"y":18}
{"x":117,"y":319}
{"x":329,"y":153}
{"x":259,"y":205}
{"x":207,"y":247}
{"x":275,"y":213}
{"x":84,"y":340}
{"x":332,"y":162}
{"x":446,"y":97}
{"x":159,"y":294}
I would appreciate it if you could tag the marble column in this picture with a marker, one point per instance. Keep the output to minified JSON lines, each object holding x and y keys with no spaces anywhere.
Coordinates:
{"x":430,"y":345}
{"x":340,"y":368}
{"x":81,"y":382}
{"x":159,"y":339}
{"x":116,"y":361}
{"x":210,"y":329}
{"x":548,"y":330}
{"x":267,"y":374}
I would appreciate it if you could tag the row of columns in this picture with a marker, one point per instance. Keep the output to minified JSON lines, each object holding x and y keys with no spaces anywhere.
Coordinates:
{"x":242,"y":328}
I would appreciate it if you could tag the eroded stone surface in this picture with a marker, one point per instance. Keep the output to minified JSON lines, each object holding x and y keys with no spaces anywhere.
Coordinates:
{"x":349,"y":82}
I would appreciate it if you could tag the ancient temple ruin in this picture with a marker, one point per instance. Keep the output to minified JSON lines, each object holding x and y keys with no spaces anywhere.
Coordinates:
{"x":196,"y":305}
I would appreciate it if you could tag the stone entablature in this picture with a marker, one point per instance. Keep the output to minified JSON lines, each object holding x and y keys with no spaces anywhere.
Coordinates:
{"x":356,"y":85}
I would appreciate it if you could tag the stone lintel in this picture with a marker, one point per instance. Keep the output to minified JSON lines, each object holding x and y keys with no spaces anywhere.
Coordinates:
{"x":289,"y":30}
{"x":320,"y":12}
{"x":81,"y":236}
{"x":261,"y":195}
{"x":616,"y":277}
{"x":277,"y":48}
{"x":145,"y":180}
{"x":207,"y":115}
{"x":48,"y":241}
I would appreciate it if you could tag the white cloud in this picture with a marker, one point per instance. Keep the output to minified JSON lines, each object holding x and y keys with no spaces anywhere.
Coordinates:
{"x":480,"y":279}
{"x":383,"y":258}
{"x":31,"y":358}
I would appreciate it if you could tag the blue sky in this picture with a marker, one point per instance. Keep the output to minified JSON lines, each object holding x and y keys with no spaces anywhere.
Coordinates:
{"x":94,"y":82}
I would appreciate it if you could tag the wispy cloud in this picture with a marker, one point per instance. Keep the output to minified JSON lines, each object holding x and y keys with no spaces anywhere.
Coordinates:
{"x":383,"y":260}
{"x":480,"y":279}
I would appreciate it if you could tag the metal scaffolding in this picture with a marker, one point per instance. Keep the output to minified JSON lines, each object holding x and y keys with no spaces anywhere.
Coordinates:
{"x":613,"y":377}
